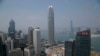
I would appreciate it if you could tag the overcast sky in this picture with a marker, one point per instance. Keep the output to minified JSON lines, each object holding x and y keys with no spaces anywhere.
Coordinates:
{"x":26,"y":13}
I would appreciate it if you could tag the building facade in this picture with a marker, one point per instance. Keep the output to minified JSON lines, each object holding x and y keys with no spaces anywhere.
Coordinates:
{"x":51,"y":25}
{"x":37,"y":41}
{"x":30,"y":36}
{"x":83,"y":43}
{"x":11,"y":29}
{"x":29,"y":51}
{"x":10,"y":44}
{"x":70,"y":48}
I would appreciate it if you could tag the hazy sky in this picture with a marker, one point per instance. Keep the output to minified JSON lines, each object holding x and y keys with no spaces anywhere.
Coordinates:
{"x":34,"y":13}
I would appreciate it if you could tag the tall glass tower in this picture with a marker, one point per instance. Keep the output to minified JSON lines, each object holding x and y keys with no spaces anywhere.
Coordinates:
{"x":51,"y":25}
{"x":11,"y":29}
{"x":1,"y":47}
{"x":83,"y":43}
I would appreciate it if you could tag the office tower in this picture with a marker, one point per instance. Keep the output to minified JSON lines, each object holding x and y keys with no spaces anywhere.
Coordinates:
{"x":11,"y":29}
{"x":71,"y":31}
{"x":37,"y":41}
{"x":51,"y":25}
{"x":1,"y":47}
{"x":10,"y":44}
{"x":71,"y":24}
{"x":29,"y":51}
{"x":5,"y":50}
{"x":17,"y":42}
{"x":30,"y":36}
{"x":70,"y":48}
{"x":25,"y":38}
{"x":83,"y":43}
{"x":3,"y":36}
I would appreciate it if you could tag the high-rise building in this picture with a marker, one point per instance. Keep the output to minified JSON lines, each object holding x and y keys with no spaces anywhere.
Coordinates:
{"x":30,"y":36}
{"x":11,"y":29}
{"x":70,"y":48}
{"x":72,"y":29}
{"x":3,"y":37}
{"x":71,"y":24}
{"x":29,"y":51}
{"x":1,"y":47}
{"x":83,"y":43}
{"x":5,"y":50}
{"x":37,"y":41}
{"x":10,"y":44}
{"x":51,"y":25}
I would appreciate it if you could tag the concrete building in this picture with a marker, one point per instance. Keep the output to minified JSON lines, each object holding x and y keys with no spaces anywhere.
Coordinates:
{"x":51,"y":25}
{"x":3,"y":37}
{"x":17,"y":42}
{"x":16,"y":52}
{"x":29,"y":51}
{"x":30,"y":36}
{"x":3,"y":48}
{"x":9,"y":43}
{"x":37,"y":41}
{"x":55,"y":51}
{"x":93,"y":53}
{"x":83,"y":43}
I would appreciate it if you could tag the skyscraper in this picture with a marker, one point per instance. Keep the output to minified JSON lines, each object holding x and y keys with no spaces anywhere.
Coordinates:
{"x":83,"y":43}
{"x":71,"y":27}
{"x":71,"y":31}
{"x":1,"y":47}
{"x":70,"y":48}
{"x":10,"y":43}
{"x":11,"y":29}
{"x":51,"y":25}
{"x":3,"y":37}
{"x":30,"y":36}
{"x":37,"y":41}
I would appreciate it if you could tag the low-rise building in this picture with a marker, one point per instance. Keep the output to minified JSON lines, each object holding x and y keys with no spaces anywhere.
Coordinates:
{"x":29,"y":51}
{"x":55,"y":51}
{"x":93,"y":53}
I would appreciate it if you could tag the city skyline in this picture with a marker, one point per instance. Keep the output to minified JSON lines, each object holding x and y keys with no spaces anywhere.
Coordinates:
{"x":35,"y":13}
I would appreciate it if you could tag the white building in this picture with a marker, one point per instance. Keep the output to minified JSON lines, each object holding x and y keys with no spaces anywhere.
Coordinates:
{"x":2,"y":35}
{"x":9,"y":43}
{"x":37,"y":41}
{"x":29,"y":51}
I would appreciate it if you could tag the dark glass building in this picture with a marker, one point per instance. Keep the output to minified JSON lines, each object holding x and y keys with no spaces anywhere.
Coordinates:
{"x":5,"y":50}
{"x":1,"y":47}
{"x":69,"y":48}
{"x":83,"y":43}
{"x":11,"y":29}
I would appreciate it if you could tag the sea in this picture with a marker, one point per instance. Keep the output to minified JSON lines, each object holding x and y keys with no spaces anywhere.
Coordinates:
{"x":95,"y":42}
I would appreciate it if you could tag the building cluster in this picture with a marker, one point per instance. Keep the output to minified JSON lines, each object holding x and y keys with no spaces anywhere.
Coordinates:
{"x":16,"y":43}
{"x":55,"y":51}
